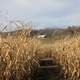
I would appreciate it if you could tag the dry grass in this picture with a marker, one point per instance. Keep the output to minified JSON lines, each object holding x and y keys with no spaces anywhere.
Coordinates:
{"x":19,"y":55}
{"x":65,"y":52}
{"x":68,"y":54}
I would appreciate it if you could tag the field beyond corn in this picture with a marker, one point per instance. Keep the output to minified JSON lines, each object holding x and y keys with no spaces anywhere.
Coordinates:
{"x":19,"y":55}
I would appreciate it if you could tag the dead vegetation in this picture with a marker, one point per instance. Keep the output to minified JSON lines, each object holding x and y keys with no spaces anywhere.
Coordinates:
{"x":19,"y":55}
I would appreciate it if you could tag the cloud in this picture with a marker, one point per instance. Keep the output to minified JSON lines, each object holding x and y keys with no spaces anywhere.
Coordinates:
{"x":40,"y":6}
{"x":51,"y":8}
{"x":23,"y":3}
{"x":50,"y":12}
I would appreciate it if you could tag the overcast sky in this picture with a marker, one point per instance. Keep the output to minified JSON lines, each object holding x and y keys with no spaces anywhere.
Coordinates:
{"x":45,"y":12}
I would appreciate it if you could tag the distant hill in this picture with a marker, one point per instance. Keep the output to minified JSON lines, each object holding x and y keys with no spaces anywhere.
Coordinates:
{"x":50,"y":33}
{"x":56,"y":32}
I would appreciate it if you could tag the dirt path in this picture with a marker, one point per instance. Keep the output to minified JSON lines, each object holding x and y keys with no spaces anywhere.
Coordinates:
{"x":48,"y":70}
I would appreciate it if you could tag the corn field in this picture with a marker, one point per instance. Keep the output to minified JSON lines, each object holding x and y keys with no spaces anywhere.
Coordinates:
{"x":19,"y":55}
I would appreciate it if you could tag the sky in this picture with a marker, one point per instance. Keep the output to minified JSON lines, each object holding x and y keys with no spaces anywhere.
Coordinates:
{"x":42,"y":12}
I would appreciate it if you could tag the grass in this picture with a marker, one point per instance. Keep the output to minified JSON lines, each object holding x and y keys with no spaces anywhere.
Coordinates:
{"x":68,"y":55}
{"x":19,"y":55}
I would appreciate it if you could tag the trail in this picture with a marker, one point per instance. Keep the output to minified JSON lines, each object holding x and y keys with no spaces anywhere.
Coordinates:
{"x":48,"y":70}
